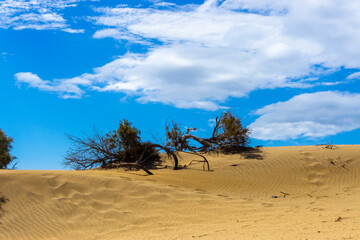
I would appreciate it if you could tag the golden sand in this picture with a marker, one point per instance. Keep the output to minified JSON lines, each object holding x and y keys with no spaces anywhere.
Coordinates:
{"x":306,"y":192}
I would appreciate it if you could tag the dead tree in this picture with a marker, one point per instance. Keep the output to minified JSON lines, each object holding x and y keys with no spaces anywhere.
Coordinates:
{"x":228,"y":136}
{"x":204,"y":161}
{"x":121,"y":148}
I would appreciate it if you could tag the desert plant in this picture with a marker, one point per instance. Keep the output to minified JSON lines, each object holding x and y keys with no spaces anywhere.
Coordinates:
{"x":120,"y":148}
{"x":228,"y":136}
{"x":125,"y":137}
{"x":330,"y":145}
{"x":230,"y":133}
{"x":5,"y":147}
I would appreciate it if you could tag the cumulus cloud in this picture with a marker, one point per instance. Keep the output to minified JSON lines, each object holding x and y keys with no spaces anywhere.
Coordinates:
{"x":309,"y":115}
{"x":184,"y":77}
{"x":221,"y":49}
{"x":311,"y":32}
{"x":38,"y":15}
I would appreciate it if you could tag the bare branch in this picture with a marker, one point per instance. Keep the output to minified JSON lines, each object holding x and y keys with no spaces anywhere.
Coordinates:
{"x":121,"y":148}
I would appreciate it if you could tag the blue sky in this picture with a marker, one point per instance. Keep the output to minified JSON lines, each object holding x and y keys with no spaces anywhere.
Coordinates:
{"x":289,"y":69}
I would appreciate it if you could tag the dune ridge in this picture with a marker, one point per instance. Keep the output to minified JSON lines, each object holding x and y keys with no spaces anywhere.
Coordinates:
{"x":304,"y":192}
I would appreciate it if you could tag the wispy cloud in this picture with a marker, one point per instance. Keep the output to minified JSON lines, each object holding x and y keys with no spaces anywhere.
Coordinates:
{"x":35,"y":14}
{"x":355,"y":75}
{"x":119,"y":35}
{"x":69,"y":88}
{"x":310,"y":115}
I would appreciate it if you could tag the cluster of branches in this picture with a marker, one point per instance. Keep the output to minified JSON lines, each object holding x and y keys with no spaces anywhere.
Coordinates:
{"x":228,"y":136}
{"x":124,"y":148}
{"x":120,"y":148}
{"x":5,"y":146}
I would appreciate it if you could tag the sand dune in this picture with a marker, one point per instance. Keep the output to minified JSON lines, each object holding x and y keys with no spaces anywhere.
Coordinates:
{"x":316,"y":189}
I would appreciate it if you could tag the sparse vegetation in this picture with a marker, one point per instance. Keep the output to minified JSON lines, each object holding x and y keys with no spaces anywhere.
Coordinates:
{"x":120,"y":148}
{"x":329,"y":145}
{"x":5,"y":148}
{"x":228,"y":136}
{"x":124,"y":148}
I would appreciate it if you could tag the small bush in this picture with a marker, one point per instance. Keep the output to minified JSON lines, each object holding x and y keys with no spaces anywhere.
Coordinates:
{"x":233,"y":134}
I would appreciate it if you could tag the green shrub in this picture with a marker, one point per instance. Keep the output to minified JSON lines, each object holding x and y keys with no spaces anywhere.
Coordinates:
{"x":5,"y":147}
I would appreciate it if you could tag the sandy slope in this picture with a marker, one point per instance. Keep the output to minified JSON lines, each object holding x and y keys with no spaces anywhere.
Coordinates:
{"x":232,"y":202}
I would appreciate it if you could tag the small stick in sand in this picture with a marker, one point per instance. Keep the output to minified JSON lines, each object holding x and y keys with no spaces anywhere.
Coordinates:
{"x":285,"y":194}
{"x":332,"y":162}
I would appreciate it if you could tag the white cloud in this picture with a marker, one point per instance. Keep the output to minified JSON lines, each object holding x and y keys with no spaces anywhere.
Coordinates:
{"x":118,"y":35}
{"x":355,"y":75}
{"x":66,"y":88}
{"x":3,"y":56}
{"x":184,"y":77}
{"x":33,"y":80}
{"x":223,"y":49}
{"x":318,"y":32}
{"x":70,"y":30}
{"x":309,"y":115}
{"x":35,"y":14}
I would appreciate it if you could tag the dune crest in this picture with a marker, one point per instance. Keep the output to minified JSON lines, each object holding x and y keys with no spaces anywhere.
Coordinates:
{"x":306,"y":192}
